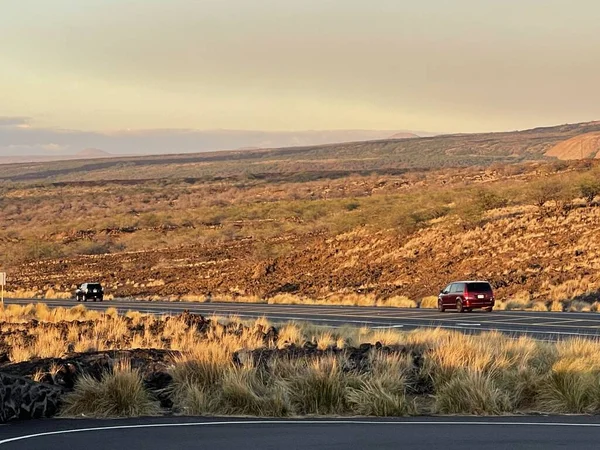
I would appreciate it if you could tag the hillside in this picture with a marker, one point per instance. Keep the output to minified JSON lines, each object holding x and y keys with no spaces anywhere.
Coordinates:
{"x":583,"y":146}
{"x":312,"y":162}
{"x":531,"y":228}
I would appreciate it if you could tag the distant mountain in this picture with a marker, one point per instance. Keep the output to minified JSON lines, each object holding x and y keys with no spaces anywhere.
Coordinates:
{"x":93,"y":153}
{"x":55,"y":143}
{"x":88,"y":153}
{"x":403,"y":136}
{"x":569,"y":141}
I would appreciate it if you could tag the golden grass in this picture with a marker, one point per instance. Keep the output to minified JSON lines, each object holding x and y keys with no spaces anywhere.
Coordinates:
{"x":453,"y":374}
{"x":119,"y":393}
{"x":430,"y":302}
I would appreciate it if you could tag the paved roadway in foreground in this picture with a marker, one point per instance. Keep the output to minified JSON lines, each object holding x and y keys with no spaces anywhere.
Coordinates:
{"x":541,"y":325}
{"x":514,"y":433}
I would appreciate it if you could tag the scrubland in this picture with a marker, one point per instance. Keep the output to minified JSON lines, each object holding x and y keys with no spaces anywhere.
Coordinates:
{"x":360,"y":223}
{"x":227,"y":366}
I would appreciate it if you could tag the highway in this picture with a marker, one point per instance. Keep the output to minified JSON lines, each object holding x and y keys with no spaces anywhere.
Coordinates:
{"x":541,"y":325}
{"x":181,"y":433}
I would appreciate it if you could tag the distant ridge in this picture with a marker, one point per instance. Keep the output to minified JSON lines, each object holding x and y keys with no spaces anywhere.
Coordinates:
{"x":88,"y":153}
{"x":404,"y":136}
{"x":93,"y":153}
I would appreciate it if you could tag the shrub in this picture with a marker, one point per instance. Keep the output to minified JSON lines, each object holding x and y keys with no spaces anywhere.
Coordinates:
{"x":471,"y":392}
{"x":398,"y":301}
{"x":589,"y":189}
{"x":119,"y":393}
{"x":318,"y":386}
{"x":567,"y":391}
{"x":249,"y":391}
{"x":486,"y":200}
{"x":378,"y":398}
{"x":429,"y":302}
{"x":549,"y":190}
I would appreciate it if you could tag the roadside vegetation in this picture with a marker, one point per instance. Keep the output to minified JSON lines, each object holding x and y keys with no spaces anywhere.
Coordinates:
{"x":224,"y":366}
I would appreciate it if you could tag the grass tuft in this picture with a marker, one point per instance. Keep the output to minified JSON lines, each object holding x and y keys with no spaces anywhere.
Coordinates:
{"x":119,"y":393}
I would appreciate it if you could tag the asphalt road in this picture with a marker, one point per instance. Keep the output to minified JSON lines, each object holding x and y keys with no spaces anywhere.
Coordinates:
{"x":544,"y":433}
{"x":541,"y":325}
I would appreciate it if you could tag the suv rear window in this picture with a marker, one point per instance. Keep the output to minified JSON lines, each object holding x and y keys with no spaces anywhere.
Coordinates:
{"x":94,"y":286}
{"x":479,"y":287}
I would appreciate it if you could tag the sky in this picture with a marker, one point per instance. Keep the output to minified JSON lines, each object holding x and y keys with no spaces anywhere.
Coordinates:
{"x":111,"y":67}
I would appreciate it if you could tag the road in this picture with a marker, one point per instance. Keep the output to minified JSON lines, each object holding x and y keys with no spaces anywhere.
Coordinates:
{"x":514,"y":433}
{"x":541,"y":325}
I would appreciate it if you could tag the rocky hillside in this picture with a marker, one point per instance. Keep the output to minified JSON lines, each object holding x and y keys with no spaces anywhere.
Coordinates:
{"x":522,"y":250}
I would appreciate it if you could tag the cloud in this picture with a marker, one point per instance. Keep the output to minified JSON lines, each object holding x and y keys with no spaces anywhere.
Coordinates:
{"x":54,"y":147}
{"x":19,"y":122}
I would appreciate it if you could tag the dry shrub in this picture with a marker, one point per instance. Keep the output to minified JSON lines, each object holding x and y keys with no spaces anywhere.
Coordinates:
{"x":539,"y":306}
{"x":379,"y":398}
{"x":254,"y":392}
{"x":52,"y":294}
{"x":520,"y":301}
{"x":557,"y":306}
{"x":471,"y":392}
{"x":325,"y":340}
{"x":290,"y":334}
{"x":398,"y":301}
{"x":430,"y":302}
{"x":572,"y":384}
{"x":318,"y":386}
{"x":119,"y":393}
{"x":579,"y":306}
{"x":383,"y":391}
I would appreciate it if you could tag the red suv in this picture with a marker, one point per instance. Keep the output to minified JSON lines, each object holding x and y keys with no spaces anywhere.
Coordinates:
{"x":466,"y":295}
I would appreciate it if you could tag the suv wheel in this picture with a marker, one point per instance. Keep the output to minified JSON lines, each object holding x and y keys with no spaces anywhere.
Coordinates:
{"x":441,"y":306}
{"x":459,"y":306}
{"x":78,"y":298}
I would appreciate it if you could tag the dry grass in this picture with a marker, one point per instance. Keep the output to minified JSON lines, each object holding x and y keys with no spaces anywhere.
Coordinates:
{"x":119,"y":393}
{"x":430,"y":302}
{"x":453,"y":373}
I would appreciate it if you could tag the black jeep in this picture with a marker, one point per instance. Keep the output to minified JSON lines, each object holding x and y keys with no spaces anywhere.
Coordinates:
{"x":89,"y":291}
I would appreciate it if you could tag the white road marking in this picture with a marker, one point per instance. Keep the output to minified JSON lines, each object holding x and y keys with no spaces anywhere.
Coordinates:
{"x":469,"y":324}
{"x":388,"y":326}
{"x":298,"y":422}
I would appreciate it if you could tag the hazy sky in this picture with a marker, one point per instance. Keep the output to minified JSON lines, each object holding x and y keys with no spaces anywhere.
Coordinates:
{"x":456,"y":65}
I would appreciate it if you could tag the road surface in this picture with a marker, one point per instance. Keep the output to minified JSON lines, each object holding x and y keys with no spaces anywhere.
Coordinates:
{"x":514,"y":433}
{"x":541,"y":325}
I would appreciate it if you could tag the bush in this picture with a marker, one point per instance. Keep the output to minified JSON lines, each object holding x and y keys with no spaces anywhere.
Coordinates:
{"x":430,"y":302}
{"x":36,"y":250}
{"x":545,"y":191}
{"x":318,"y":387}
{"x":487,"y":200}
{"x":589,"y":189}
{"x":378,"y":398}
{"x":471,"y":392}
{"x":119,"y":393}
{"x":567,"y":391}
